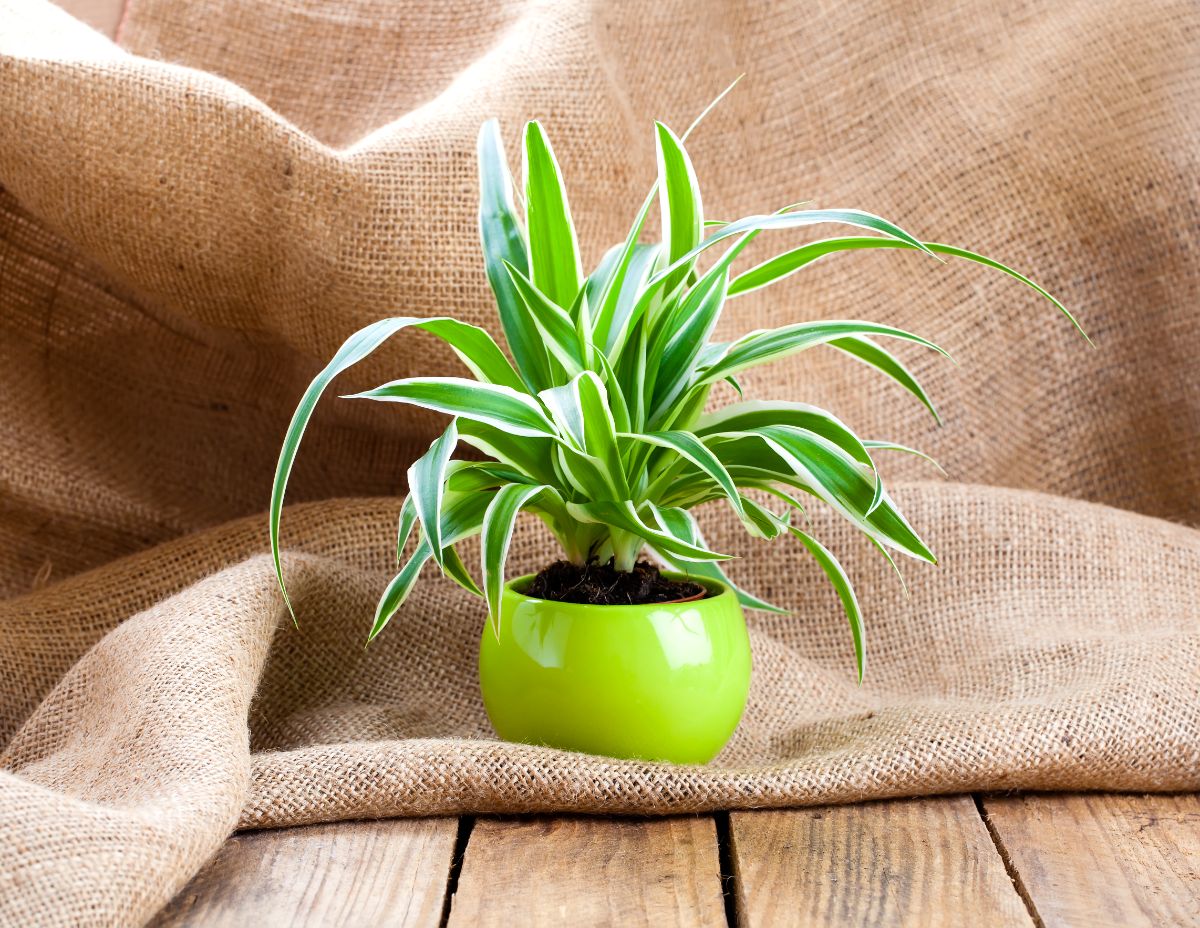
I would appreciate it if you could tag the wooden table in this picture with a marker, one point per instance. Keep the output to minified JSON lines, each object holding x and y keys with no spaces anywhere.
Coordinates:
{"x":1032,"y":860}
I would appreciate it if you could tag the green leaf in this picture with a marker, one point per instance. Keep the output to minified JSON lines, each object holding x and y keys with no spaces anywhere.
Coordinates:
{"x":616,"y":398}
{"x":472,"y":344}
{"x":697,"y":310}
{"x":398,"y":589}
{"x":498,"y":406}
{"x":498,"y":524}
{"x":845,"y":591}
{"x":887,"y":555}
{"x":600,"y":278}
{"x":624,"y":516}
{"x":554,"y":252}
{"x":766,"y":524}
{"x":753,"y":414}
{"x":847,"y":485}
{"x":614,"y":270}
{"x":711,"y":106}
{"x":882,"y":360}
{"x":581,"y":315}
{"x":795,"y":458}
{"x":427,"y":487}
{"x":462,"y":516}
{"x":580,"y":411}
{"x":632,"y":375}
{"x":624,"y":286}
{"x":553,"y":322}
{"x":679,"y":524}
{"x":789,"y":262}
{"x":892,"y":446}
{"x":794,"y":220}
{"x":530,"y":456}
{"x":504,"y":243}
{"x":768,"y":345}
{"x":691,"y":449}
{"x":682,"y":213}
{"x":473,"y":476}
{"x":408,"y":520}
{"x":749,"y":416}
{"x":682,"y":334}
{"x":583,"y":476}
{"x":456,"y":570}
{"x":611,"y":328}
{"x":686,"y":413}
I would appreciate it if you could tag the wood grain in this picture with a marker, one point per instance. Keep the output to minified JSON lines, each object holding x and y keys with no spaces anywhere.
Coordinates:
{"x":388,"y":873}
{"x":584,"y":871}
{"x":920,"y":862}
{"x":1103,"y":859}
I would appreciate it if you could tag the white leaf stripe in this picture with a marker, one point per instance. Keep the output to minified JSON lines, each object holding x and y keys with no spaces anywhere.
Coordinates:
{"x":794,"y":220}
{"x":553,"y":250}
{"x":691,"y":448}
{"x":679,"y":195}
{"x":680,"y":524}
{"x":494,"y":405}
{"x":552,"y":321}
{"x":865,"y":350}
{"x":496,"y":535}
{"x":503,"y":242}
{"x":461,"y":518}
{"x":624,"y":515}
{"x":474,"y":346}
{"x":772,"y":344}
{"x":426,"y":487}
{"x":789,"y":262}
{"x":841,"y":583}
{"x":408,"y":519}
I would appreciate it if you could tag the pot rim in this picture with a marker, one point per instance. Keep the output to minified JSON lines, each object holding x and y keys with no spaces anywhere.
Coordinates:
{"x":717,"y":592}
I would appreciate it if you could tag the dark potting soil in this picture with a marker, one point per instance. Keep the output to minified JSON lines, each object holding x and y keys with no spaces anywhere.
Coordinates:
{"x":603,"y":585}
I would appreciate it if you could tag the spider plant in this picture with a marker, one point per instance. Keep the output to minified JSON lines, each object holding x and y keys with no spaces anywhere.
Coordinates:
{"x":597,"y":420}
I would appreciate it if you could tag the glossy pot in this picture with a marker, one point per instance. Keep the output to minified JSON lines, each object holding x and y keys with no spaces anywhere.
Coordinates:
{"x":663,"y":682}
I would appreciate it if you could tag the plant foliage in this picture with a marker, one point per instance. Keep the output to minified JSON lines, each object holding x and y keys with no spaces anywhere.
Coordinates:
{"x":598,"y":424}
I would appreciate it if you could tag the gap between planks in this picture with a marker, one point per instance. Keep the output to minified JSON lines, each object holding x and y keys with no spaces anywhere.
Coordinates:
{"x":587,"y":871}
{"x":1103,"y":859}
{"x":391,"y":874}
{"x":927,"y":862}
{"x":1078,"y":860}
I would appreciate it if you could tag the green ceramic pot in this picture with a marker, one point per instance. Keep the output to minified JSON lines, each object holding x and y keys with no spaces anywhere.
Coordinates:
{"x":664,"y":682}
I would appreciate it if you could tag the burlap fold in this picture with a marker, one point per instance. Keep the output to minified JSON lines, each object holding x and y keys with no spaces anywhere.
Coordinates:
{"x":190,"y":226}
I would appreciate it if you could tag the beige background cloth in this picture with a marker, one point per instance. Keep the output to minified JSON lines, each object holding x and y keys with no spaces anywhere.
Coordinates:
{"x":191,"y":225}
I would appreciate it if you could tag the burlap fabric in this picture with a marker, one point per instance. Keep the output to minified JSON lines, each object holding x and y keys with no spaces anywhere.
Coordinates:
{"x":189,"y":227}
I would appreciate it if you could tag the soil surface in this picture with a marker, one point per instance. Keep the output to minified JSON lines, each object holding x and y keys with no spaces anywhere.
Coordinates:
{"x":603,"y":585}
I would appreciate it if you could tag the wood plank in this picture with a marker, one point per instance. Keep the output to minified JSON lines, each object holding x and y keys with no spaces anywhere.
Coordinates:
{"x":386,"y":873}
{"x":1103,"y":859}
{"x":586,"y":871}
{"x":926,"y":862}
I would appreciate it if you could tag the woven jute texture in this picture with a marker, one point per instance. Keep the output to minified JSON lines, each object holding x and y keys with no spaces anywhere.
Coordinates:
{"x":192,"y":222}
